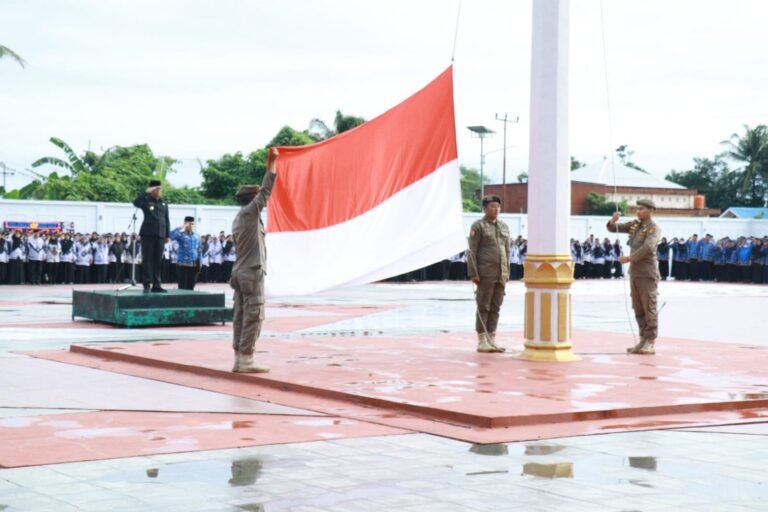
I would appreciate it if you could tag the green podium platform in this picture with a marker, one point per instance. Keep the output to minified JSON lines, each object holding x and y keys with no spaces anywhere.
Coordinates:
{"x":133,"y":308}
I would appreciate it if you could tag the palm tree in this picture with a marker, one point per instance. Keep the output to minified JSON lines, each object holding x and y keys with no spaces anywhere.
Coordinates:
{"x":752,"y":149}
{"x":7,"y":52}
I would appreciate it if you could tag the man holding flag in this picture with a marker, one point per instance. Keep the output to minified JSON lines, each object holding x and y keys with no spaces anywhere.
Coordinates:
{"x":249,"y":270}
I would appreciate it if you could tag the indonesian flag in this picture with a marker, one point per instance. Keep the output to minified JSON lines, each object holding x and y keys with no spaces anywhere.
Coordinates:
{"x":370,"y":203}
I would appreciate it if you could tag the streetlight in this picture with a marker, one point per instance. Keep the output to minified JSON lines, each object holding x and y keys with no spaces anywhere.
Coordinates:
{"x":504,"y":158}
{"x":481,"y":132}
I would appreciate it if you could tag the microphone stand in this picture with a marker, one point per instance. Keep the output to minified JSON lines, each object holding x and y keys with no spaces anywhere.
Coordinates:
{"x":132,"y":228}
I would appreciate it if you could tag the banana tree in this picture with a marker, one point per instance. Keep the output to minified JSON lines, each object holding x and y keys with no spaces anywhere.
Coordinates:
{"x":74,"y":164}
{"x":6,"y":52}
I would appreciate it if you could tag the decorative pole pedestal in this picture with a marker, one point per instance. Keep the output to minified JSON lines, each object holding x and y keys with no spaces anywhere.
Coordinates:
{"x":548,"y":264}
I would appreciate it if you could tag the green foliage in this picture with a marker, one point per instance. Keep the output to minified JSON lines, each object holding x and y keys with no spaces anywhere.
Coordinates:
{"x":6,"y":52}
{"x":319,"y":130}
{"x":222,"y":177}
{"x":575,"y":164}
{"x":721,"y":186}
{"x":597,"y":204}
{"x":287,"y":136}
{"x":470,"y":185}
{"x":751,"y":148}
{"x":117,"y":175}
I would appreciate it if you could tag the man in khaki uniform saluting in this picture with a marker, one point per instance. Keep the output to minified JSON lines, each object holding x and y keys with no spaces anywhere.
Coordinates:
{"x":249,"y":270}
{"x":644,"y":236}
{"x":488,"y":268}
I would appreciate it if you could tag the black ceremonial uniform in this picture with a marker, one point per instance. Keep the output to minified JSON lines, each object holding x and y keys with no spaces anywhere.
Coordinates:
{"x":155,"y":228}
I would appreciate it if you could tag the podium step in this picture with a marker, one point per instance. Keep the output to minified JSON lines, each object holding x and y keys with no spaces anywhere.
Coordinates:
{"x":133,"y":308}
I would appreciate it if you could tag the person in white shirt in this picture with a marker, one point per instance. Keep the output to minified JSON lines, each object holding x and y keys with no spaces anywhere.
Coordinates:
{"x":67,"y":258}
{"x":101,"y":259}
{"x":229,"y":252}
{"x":205,"y":260}
{"x":5,"y":256}
{"x":35,"y":253}
{"x":83,"y":260}
{"x":217,"y":257}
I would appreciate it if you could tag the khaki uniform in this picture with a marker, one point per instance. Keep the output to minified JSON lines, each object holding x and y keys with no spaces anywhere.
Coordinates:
{"x":249,"y":270}
{"x":643,"y":273}
{"x":488,"y":258}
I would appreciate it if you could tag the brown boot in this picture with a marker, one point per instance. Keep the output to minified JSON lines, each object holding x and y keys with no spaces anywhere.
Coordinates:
{"x":244,"y":364}
{"x":647,"y":349}
{"x":483,"y":345}
{"x":492,"y":343}
{"x":637,"y":347}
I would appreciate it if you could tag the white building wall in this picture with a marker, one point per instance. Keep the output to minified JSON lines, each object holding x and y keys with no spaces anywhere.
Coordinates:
{"x":116,"y":217}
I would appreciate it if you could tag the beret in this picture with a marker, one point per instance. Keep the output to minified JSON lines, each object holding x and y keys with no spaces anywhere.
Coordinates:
{"x":647,"y":203}
{"x":247,"y":189}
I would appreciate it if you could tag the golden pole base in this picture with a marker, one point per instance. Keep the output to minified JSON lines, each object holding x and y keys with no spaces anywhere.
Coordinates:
{"x":549,"y":353}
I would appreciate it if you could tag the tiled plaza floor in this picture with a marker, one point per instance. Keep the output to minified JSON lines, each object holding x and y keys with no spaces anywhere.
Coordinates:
{"x":195,"y":445}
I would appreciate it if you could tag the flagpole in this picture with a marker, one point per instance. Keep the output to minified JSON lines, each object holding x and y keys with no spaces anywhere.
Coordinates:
{"x":548,"y":264}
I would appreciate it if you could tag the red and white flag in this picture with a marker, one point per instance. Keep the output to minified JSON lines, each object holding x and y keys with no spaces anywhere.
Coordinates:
{"x":371,"y":203}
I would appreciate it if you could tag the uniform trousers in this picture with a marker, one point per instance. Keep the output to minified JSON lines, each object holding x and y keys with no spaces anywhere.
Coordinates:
{"x":644,"y":292}
{"x":248,"y":315}
{"x":187,"y":275}
{"x":151,"y":259}
{"x":489,"y":296}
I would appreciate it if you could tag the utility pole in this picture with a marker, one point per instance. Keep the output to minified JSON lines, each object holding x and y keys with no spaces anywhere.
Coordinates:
{"x":5,"y":172}
{"x":481,"y":132}
{"x":505,"y":120}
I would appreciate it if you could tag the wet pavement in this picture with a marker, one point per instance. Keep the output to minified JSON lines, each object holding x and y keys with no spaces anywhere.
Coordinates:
{"x":148,"y":438}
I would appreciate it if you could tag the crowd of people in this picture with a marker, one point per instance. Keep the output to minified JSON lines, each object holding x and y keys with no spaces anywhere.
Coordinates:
{"x":743,"y":259}
{"x":42,"y":257}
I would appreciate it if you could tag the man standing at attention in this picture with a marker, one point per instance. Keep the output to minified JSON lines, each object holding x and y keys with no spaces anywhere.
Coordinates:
{"x":644,"y":236}
{"x":188,"y":259}
{"x":155,"y":228}
{"x":488,"y":268}
{"x":249,"y":270}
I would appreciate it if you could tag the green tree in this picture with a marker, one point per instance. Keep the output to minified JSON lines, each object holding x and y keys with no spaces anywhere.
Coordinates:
{"x":470,"y":184}
{"x":222,"y":177}
{"x":319,"y":130}
{"x":598,"y":204}
{"x":625,"y":155}
{"x":751,"y":149}
{"x":287,"y":136}
{"x":710,"y":177}
{"x":575,"y":164}
{"x":117,"y":175}
{"x":6,"y":52}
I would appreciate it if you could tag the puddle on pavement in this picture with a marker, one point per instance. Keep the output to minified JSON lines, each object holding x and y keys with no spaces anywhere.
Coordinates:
{"x":543,"y":449}
{"x":490,"y":449}
{"x":237,"y":473}
{"x":762,"y":395}
{"x":556,"y":470}
{"x":251,"y":507}
{"x":647,"y":463}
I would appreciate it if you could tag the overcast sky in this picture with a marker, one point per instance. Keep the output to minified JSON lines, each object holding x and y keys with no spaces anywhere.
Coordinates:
{"x":196,"y":79}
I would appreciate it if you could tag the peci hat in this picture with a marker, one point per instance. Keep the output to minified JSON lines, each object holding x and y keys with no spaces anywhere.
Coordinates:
{"x":155,"y":183}
{"x":647,"y":203}
{"x":247,"y":190}
{"x":492,"y":198}
{"x":189,"y":219}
